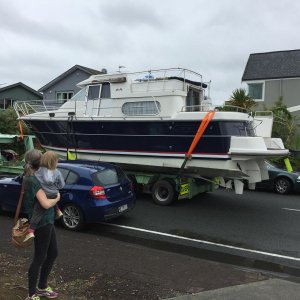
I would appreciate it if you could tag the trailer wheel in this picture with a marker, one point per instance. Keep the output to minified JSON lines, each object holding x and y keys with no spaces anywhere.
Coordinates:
{"x":164,"y":192}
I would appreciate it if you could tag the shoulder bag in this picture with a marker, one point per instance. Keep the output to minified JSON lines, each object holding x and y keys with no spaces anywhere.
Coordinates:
{"x":21,"y":225}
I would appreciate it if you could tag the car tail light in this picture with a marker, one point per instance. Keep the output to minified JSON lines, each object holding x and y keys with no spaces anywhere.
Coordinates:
{"x":98,"y":192}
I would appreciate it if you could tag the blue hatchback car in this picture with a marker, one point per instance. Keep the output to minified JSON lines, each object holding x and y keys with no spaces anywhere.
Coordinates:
{"x":94,"y":192}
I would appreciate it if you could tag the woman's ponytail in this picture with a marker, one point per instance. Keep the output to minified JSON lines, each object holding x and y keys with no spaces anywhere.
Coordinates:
{"x":32,"y":160}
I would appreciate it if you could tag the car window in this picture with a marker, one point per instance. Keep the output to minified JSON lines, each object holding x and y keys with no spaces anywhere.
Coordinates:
{"x":64,"y":172}
{"x":70,"y":177}
{"x":106,"y":177}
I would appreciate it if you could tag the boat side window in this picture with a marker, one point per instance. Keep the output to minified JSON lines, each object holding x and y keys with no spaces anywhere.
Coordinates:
{"x":141,"y":108}
{"x":193,"y":100}
{"x":94,"y":91}
{"x":249,"y":129}
{"x":237,"y":128}
{"x":213,"y":128}
{"x":105,"y":90}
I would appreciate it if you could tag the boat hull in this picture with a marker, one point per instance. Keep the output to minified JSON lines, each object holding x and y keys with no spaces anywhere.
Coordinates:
{"x":195,"y":167}
{"x":159,"y":146}
{"x":155,"y":138}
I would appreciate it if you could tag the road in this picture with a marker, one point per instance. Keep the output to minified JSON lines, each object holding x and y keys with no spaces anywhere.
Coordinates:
{"x":257,"y":224}
{"x":124,"y":258}
{"x":248,"y":229}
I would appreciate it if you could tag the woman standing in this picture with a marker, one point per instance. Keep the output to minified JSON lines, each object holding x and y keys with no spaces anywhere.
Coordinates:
{"x":45,"y":244}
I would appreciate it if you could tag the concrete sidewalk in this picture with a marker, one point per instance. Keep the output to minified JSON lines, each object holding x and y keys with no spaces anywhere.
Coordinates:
{"x":273,"y":289}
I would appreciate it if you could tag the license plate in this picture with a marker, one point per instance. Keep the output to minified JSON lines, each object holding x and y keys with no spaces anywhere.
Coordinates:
{"x":123,"y":207}
{"x":184,"y":189}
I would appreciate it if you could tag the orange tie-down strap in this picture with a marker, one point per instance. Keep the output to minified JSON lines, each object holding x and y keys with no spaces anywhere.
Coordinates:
{"x":21,"y":130}
{"x":205,"y":121}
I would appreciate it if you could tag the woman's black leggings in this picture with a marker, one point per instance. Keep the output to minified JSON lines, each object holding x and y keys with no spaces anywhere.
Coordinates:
{"x":45,"y":252}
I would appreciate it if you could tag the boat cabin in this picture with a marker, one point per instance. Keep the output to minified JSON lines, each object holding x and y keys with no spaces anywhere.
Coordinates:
{"x":142,"y":94}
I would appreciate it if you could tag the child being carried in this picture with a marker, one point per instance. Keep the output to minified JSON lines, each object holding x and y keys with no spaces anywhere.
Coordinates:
{"x":51,"y":181}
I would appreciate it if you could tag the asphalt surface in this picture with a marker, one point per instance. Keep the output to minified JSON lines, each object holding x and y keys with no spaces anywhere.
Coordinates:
{"x":255,"y":220}
{"x":149,"y":272}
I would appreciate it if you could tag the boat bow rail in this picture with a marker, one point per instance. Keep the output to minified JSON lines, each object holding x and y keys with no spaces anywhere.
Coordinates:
{"x":25,"y":108}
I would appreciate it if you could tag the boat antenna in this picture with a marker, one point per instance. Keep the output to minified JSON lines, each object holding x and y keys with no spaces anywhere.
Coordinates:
{"x":121,"y":67}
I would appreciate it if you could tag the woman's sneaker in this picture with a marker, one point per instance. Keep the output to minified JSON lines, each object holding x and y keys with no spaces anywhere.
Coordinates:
{"x":47,"y":292}
{"x":33,"y":297}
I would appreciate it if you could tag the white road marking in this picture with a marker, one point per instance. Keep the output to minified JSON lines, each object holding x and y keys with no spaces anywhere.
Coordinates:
{"x":204,"y":242}
{"x":293,"y":209}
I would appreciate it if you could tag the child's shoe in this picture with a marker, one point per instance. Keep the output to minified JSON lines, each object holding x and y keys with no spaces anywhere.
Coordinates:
{"x":47,"y":292}
{"x":33,"y":297}
{"x":59,"y":214}
{"x":29,"y":235}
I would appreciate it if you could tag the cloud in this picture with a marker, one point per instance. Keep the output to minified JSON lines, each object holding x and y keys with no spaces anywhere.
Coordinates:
{"x":131,"y":14}
{"x":42,"y":39}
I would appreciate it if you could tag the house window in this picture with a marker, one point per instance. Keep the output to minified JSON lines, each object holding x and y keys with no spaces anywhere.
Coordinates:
{"x":6,"y":103}
{"x":62,"y":97}
{"x":255,"y":90}
{"x":141,"y":108}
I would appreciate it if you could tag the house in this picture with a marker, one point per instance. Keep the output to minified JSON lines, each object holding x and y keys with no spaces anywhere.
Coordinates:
{"x":272,"y":75}
{"x":17,"y":91}
{"x":63,"y":87}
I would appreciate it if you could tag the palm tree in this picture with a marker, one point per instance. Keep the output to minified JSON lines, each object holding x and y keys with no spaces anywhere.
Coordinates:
{"x":240,"y":98}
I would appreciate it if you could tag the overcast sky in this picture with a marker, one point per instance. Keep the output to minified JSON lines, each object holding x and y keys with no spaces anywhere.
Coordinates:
{"x":42,"y":39}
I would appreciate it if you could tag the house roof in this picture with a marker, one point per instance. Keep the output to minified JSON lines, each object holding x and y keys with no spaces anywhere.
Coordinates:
{"x":7,"y":87}
{"x":272,"y":65}
{"x":71,"y":70}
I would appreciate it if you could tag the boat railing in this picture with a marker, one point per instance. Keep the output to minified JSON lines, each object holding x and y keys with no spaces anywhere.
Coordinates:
{"x":232,"y":108}
{"x":164,"y":75}
{"x":202,"y":107}
{"x":157,"y":74}
{"x":96,"y":110}
{"x":263,"y":113}
{"x":24,"y":108}
{"x":209,"y":107}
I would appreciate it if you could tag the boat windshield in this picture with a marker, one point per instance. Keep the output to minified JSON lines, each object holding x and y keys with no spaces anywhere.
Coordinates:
{"x":80,"y":96}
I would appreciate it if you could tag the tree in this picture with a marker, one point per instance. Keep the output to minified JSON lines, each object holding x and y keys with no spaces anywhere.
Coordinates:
{"x":241,"y":99}
{"x":9,"y":122}
{"x":285,"y":124}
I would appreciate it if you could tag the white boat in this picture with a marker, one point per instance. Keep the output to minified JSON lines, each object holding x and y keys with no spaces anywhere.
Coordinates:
{"x":147,"y":121}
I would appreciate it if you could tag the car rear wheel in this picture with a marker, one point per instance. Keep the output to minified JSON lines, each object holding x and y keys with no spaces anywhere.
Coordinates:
{"x":164,"y":192}
{"x":282,"y":186}
{"x":72,"y":217}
